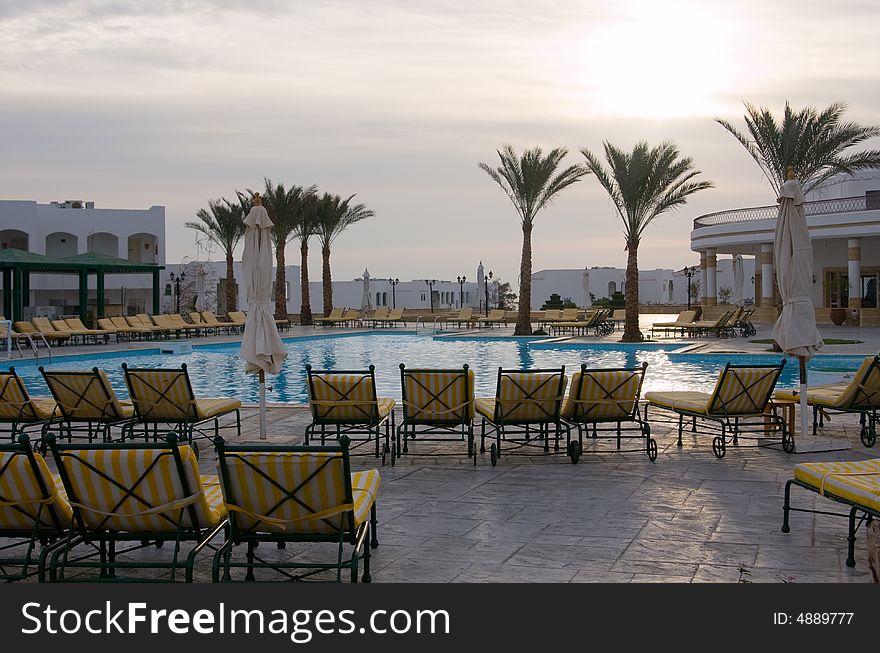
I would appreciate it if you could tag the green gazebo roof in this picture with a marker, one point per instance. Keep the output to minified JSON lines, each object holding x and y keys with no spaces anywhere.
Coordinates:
{"x":108,"y":264}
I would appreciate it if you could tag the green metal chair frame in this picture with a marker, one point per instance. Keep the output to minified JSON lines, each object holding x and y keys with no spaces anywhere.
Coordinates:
{"x":418,"y":422}
{"x":368,"y":422}
{"x":502,"y":427}
{"x":865,"y":405}
{"x":188,"y":424}
{"x":67,"y":422}
{"x":102,"y":542}
{"x":22,"y":421}
{"x":586,"y":423}
{"x":733,"y":426}
{"x":346,"y":531}
{"x":46,"y":535}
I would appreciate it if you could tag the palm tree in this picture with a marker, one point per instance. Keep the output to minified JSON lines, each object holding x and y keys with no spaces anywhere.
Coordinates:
{"x":283,"y":206}
{"x":643,"y":184}
{"x":531,"y":182}
{"x":223,"y":224}
{"x":813,"y":143}
{"x":335,"y":215}
{"x":304,"y":227}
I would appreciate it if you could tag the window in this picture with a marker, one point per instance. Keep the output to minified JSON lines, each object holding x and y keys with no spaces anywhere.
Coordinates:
{"x":424,"y":296}
{"x":384,"y":299}
{"x":872,"y":200}
{"x":836,"y":289}
{"x":869,"y":291}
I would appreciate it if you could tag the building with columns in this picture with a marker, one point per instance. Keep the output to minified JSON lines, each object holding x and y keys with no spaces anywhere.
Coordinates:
{"x":844,"y":224}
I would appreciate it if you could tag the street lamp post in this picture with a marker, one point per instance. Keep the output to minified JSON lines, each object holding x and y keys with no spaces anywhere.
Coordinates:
{"x":430,"y":283}
{"x":176,"y":279}
{"x":461,"y":281}
{"x":488,"y":277}
{"x":393,"y":283}
{"x":689,"y":273}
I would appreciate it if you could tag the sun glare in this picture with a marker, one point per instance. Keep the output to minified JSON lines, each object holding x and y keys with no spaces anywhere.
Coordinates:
{"x":657,"y":60}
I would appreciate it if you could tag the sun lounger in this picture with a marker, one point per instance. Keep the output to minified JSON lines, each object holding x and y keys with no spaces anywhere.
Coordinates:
{"x":18,"y":410}
{"x":332,"y":319}
{"x":76,"y":324}
{"x":496,"y":316}
{"x":42,"y":326}
{"x":682,"y":323}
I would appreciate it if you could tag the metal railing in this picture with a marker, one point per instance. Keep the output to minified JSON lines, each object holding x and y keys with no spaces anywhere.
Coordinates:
{"x":819,"y":207}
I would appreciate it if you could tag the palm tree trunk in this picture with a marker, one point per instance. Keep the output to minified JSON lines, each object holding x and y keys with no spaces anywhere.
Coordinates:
{"x":523,"y":322}
{"x":230,"y":283}
{"x":631,"y":332}
{"x":280,"y":282}
{"x":327,"y":282}
{"x":305,"y":312}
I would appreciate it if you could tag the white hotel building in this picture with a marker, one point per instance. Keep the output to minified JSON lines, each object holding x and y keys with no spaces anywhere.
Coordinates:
{"x":844,"y":224}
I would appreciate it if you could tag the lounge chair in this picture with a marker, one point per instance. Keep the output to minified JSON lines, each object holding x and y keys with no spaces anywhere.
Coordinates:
{"x":379,"y":316}
{"x":18,"y":409}
{"x":165,"y":322}
{"x":76,"y":324}
{"x":33,"y":512}
{"x":736,"y":407}
{"x":395,"y":315}
{"x":153,"y":329}
{"x":618,"y":317}
{"x":684,"y":321}
{"x":464,"y":316}
{"x":86,"y":403}
{"x":134,"y":495}
{"x":496,"y":316}
{"x":282,"y":494}
{"x":436,"y":403}
{"x":549,"y":316}
{"x":44,"y":327}
{"x":165,"y":397}
{"x":527,"y":403}
{"x":351,"y":318}
{"x":15,"y":338}
{"x":744,"y":323}
{"x":212,"y":321}
{"x":334,"y":317}
{"x":188,"y":329}
{"x":721,"y":327}
{"x":610,"y":398}
{"x":345,"y":402}
{"x":860,"y":396}
{"x":123,"y":326}
{"x":596,"y":320}
{"x":855,"y":484}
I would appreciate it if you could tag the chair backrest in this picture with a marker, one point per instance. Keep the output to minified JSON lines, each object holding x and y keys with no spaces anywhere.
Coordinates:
{"x":287,"y":489}
{"x":552,"y":314}
{"x":604,"y":395}
{"x":196,"y":317}
{"x":336,"y":313}
{"x":343,"y":396}
{"x":61,"y":326}
{"x":134,"y":321}
{"x":237,"y":316}
{"x":161,"y":395}
{"x":744,"y":389}
{"x":15,"y":402}
{"x":76,"y":324}
{"x":395,"y":314}
{"x":106,"y":324}
{"x":29,"y":497}
{"x":120,"y":322}
{"x":210,"y":318}
{"x":619,"y":315}
{"x":134,"y":486}
{"x":24,"y":327}
{"x":686,"y":317}
{"x":437,"y":396}
{"x":43,"y":325}
{"x":496,"y":314}
{"x":569,"y":314}
{"x":863,"y":392}
{"x":84,"y":395}
{"x":529,"y":396}
{"x":380,"y":314}
{"x":178,"y":321}
{"x":466,"y":313}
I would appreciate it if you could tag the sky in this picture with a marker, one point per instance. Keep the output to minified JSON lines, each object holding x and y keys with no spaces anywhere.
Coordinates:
{"x":175,"y":102}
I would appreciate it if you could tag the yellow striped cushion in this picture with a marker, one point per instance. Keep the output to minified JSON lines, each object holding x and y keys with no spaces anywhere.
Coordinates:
{"x":161,"y":488}
{"x":86,"y":397}
{"x":743,"y":391}
{"x":603,"y":395}
{"x":261,"y":504}
{"x":793,"y":394}
{"x":439,"y":396}
{"x":19,"y":487}
{"x":344,"y":396}
{"x":206,"y":408}
{"x":858,"y":481}
{"x":162,"y":395}
{"x":862,"y":392}
{"x":695,"y":402}
{"x":43,"y":324}
{"x":525,"y":396}
{"x":16,"y":405}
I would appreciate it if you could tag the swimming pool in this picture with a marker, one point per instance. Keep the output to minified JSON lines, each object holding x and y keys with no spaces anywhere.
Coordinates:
{"x":216,"y":370}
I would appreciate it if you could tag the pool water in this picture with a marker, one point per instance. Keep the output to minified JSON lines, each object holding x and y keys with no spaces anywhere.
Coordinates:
{"x":216,"y":370}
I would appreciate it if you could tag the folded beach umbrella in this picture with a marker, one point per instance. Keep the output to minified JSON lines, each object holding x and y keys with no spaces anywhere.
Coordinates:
{"x":795,"y":330}
{"x":261,"y":346}
{"x":366,"y":304}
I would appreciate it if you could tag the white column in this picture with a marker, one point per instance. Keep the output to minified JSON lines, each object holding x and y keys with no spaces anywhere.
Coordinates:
{"x":711,"y":278}
{"x":767,"y":295}
{"x":703,"y":283}
{"x":854,"y":270}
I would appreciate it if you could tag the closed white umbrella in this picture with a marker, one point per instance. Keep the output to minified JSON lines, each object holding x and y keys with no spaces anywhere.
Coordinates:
{"x":586,"y":289}
{"x":366,"y":303}
{"x":795,"y":330}
{"x":738,"y":279}
{"x":481,"y":276}
{"x":261,"y":346}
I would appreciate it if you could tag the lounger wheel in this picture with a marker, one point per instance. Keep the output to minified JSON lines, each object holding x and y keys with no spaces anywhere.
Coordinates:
{"x":493,"y":455}
{"x":787,"y":442}
{"x":868,"y":435}
{"x":574,"y":451}
{"x":652,"y":449}
{"x":786,"y":528}
{"x":719,"y":448}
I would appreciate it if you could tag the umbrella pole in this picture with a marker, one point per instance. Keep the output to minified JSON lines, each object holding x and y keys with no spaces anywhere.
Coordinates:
{"x":805,"y":413}
{"x":262,"y":404}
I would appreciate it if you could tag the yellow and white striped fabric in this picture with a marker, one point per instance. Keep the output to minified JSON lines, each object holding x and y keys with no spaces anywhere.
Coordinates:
{"x":827,"y":390}
{"x":857,"y":481}
{"x":863,"y":391}
{"x":346,"y":397}
{"x":438,"y":396}
{"x":61,"y":326}
{"x":743,"y":391}
{"x":237,"y":316}
{"x":157,"y":501}
{"x":16,"y":405}
{"x":257,"y":484}
{"x":21,"y":497}
{"x":207,"y":408}
{"x":525,"y":397}
{"x":603,"y":396}
{"x":165,"y":396}
{"x":691,"y":401}
{"x":43,"y":325}
{"x":86,"y":396}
